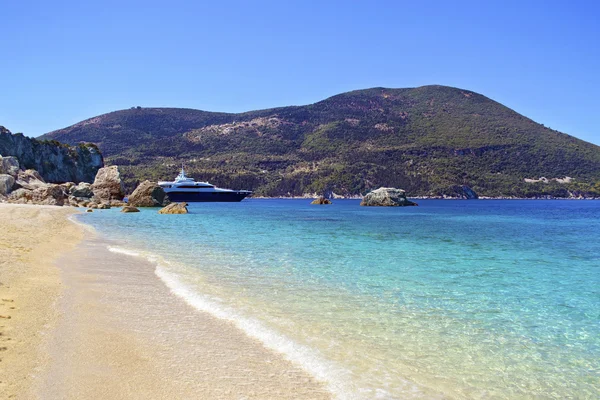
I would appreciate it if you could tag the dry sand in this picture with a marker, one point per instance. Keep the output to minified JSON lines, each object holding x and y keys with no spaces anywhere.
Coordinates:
{"x":31,"y":239}
{"x":103,"y":326}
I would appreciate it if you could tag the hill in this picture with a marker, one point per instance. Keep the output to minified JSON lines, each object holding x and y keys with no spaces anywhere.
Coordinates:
{"x":430,"y":140}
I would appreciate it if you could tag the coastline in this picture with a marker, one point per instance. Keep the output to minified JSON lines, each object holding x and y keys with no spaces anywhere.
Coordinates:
{"x":113,"y":329}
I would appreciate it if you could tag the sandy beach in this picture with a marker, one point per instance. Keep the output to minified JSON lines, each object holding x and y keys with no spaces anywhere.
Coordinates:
{"x":77,"y":321}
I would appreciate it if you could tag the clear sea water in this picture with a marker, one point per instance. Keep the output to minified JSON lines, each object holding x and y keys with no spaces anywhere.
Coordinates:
{"x":494,"y":299}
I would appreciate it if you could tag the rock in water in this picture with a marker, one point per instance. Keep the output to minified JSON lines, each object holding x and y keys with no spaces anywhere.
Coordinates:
{"x":174,"y":208}
{"x":108,"y":185}
{"x":387,"y":197}
{"x":129,"y":209}
{"x":321,"y":200}
{"x":148,"y":194}
{"x":6,"y":184}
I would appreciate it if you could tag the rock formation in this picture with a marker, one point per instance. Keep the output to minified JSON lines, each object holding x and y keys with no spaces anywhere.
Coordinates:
{"x":387,"y":197}
{"x":321,"y":200}
{"x":9,"y":166}
{"x":129,"y":209}
{"x":30,"y":188}
{"x":108,"y":185}
{"x":6,"y":184}
{"x":29,"y":179}
{"x":48,"y":194}
{"x":83,"y":189}
{"x":58,"y":165}
{"x":174,"y":208}
{"x":148,"y":194}
{"x":464,"y":192}
{"x":55,"y":162}
{"x":44,"y":172}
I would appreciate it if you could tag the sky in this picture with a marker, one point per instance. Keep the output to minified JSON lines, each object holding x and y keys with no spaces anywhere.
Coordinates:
{"x":66,"y":61}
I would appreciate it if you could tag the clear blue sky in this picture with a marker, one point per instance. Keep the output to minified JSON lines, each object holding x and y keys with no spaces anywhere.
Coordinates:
{"x":65,"y":61}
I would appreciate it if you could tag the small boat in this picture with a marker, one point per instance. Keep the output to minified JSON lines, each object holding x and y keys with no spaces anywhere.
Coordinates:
{"x":187,"y":189}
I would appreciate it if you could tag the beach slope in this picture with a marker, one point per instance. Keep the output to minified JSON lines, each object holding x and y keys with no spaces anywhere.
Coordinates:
{"x":86,"y":323}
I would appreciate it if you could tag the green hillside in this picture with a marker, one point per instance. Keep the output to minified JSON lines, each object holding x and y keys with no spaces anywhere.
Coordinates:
{"x":431,"y":140}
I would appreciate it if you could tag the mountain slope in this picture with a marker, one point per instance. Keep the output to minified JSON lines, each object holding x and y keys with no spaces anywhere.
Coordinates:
{"x":429,"y":140}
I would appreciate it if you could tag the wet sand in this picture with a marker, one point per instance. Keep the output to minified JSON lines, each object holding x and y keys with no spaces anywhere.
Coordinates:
{"x":107,"y":327}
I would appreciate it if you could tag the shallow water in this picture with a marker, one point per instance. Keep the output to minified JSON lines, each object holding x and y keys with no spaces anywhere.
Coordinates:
{"x":451,"y":299}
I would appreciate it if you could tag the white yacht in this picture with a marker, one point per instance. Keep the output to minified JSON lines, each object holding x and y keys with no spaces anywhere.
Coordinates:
{"x":187,"y":189}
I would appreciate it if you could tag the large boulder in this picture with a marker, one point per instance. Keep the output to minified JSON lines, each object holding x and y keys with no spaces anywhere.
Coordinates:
{"x":29,"y":179}
{"x":50,"y":194}
{"x":83,"y":190}
{"x":6,"y":184}
{"x":148,"y":194}
{"x":129,"y":209}
{"x":46,"y":194}
{"x":387,"y":197}
{"x":174,"y":208}
{"x":321,"y":200}
{"x":108,"y":185}
{"x":9,"y":166}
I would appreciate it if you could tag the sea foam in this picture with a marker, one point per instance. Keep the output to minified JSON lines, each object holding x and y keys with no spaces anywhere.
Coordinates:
{"x":335,"y":377}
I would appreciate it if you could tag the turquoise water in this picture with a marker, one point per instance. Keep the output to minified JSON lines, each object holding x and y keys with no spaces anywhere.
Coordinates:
{"x":451,"y":299}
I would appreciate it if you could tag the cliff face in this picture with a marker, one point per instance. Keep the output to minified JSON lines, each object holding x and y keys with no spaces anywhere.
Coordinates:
{"x":56,"y":162}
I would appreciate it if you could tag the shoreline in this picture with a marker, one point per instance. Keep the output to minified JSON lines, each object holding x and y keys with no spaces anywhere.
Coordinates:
{"x":115,"y":328}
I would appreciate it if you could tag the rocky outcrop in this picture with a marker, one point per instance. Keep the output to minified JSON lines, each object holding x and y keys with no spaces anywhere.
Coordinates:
{"x":464,"y":192}
{"x":108,"y":185}
{"x":82,"y":190}
{"x":6,"y":184}
{"x":9,"y":166}
{"x":129,"y":209}
{"x":55,"y":162}
{"x":29,"y":179}
{"x":387,"y":197}
{"x":148,"y":194}
{"x":49,"y":194}
{"x":29,"y":187}
{"x":321,"y":200}
{"x":21,"y":196}
{"x":174,"y":208}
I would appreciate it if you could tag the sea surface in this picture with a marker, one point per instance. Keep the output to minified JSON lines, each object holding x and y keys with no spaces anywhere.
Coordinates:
{"x":482,"y":299}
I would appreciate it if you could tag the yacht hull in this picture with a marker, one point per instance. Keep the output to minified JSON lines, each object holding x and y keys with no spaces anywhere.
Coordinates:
{"x":208,"y":197}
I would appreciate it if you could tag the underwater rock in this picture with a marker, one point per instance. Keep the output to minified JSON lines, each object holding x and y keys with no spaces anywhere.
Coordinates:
{"x":174,"y":208}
